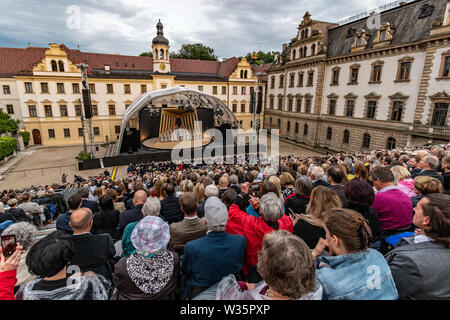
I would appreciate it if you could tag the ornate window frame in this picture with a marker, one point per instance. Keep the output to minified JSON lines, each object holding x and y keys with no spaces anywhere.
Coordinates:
{"x":399,"y":66}
{"x":397,"y":97}
{"x":298,"y":106}
{"x":439,"y":97}
{"x":308,"y":97}
{"x":344,"y":136}
{"x":291,"y":79}
{"x":271,"y":101}
{"x":350,"y":97}
{"x":372,"y":71}
{"x":281,"y":86}
{"x":280,"y":99}
{"x":371,"y":97}
{"x":301,"y":76}
{"x":351,"y":68}
{"x":377,"y":42}
{"x":308,"y":84}
{"x":441,"y":69}
{"x":333,"y":70}
{"x":290,"y":103}
{"x":330,"y":97}
{"x":364,"y":35}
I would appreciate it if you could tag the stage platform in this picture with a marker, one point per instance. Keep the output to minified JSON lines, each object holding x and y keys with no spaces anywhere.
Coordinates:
{"x":154,"y":143}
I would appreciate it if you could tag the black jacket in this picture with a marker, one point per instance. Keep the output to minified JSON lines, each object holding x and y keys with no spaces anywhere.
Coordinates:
{"x":432,"y":173}
{"x":296,"y":203}
{"x":170,"y":210}
{"x":93,"y":205}
{"x":446,"y":176}
{"x":370,"y":214}
{"x":320,"y":182}
{"x":19,"y":215}
{"x":340,"y":191}
{"x":309,"y":233}
{"x":107,"y":222}
{"x":94,"y":252}
{"x":128,"y":216}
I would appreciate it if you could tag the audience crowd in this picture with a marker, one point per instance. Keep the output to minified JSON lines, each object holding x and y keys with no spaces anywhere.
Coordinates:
{"x":372,"y":225}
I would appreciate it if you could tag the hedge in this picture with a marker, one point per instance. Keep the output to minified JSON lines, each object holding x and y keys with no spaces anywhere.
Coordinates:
{"x":7,"y":146}
{"x":26,"y":137}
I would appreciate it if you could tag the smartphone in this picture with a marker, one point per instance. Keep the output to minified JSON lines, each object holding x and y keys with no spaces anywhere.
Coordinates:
{"x":8,"y":245}
{"x":255,"y":188}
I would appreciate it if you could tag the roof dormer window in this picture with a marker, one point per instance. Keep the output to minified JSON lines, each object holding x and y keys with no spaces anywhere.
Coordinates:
{"x":384,"y":35}
{"x":360,"y":41}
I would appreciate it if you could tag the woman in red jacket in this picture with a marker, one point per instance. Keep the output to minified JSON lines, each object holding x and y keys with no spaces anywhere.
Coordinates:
{"x":8,"y":270}
{"x":271,"y":218}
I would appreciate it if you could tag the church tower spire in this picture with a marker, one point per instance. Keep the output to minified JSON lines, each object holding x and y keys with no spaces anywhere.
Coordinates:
{"x":160,"y":49}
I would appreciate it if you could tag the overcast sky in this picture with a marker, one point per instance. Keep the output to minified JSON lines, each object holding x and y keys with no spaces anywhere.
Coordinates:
{"x":230,"y":27}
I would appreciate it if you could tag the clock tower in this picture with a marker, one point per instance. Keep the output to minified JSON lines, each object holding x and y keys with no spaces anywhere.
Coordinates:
{"x":160,"y":49}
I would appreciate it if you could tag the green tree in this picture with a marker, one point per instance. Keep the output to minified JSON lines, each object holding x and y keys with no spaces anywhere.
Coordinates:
{"x":195,"y":51}
{"x":7,"y":124}
{"x":146,"y":54}
{"x":263,"y":57}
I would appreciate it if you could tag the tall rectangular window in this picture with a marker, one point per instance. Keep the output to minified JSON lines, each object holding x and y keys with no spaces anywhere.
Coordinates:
{"x":371,"y":108}
{"x":117,"y":129}
{"x":235,"y":90}
{"x":32,"y":111}
{"x":112,"y":109}
{"x":78,"y":110}
{"x":51,"y":133}
{"x":299,"y":104}
{"x":60,"y":87}
{"x":96,"y":131}
{"x":292,"y":80}
{"x":63,"y":110}
{"x":354,"y":75}
{"x":48,"y":111}
{"x":44,"y":87}
{"x":234,"y":107}
{"x":332,"y":108}
{"x":28,"y":87}
{"x":10,"y":108}
{"x":80,"y":132}
{"x":126,"y":88}
{"x":308,"y":105}
{"x":243,"y":90}
{"x":382,"y":35}
{"x":214,"y":89}
{"x":290,"y":104}
{"x":224,"y":90}
{"x":405,"y":69}
{"x":350,"y":108}
{"x":282,"y":81}
{"x":75,"y":87}
{"x":271,"y":102}
{"x":335,"y":77}
{"x":94,"y":110}
{"x":272,"y":82}
{"x":300,"y":79}
{"x":242,"y":107}
{"x":66,"y":133}
{"x":143,"y":88}
{"x":92,"y":87}
{"x":440,"y":111}
{"x":446,"y":67}
{"x":6,"y":90}
{"x":376,"y":73}
{"x":310,"y":79}
{"x":109,"y":88}
{"x":397,"y":111}
{"x":280,"y":103}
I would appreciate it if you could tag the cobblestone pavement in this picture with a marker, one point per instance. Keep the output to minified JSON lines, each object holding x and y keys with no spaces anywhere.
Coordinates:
{"x":59,"y":160}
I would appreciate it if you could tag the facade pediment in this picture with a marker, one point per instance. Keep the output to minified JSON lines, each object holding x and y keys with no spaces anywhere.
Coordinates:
{"x":55,"y":53}
{"x":399,"y":96}
{"x":332,"y":96}
{"x":372,"y":96}
{"x":351,"y":95}
{"x":440,"y":96}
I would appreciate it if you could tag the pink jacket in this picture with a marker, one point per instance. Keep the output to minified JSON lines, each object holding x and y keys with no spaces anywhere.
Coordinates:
{"x":407,"y":186}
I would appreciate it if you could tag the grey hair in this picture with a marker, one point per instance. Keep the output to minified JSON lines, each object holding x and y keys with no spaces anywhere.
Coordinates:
{"x":234,"y":179}
{"x":317,"y":172}
{"x":211,"y":191}
{"x":271,"y":207}
{"x":270,"y":172}
{"x":41,"y":194}
{"x":432,"y":161}
{"x":24,"y":233}
{"x":152,"y":207}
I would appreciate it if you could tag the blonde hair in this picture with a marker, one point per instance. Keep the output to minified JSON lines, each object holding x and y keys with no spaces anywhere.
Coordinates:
{"x":276,"y":181}
{"x":199,"y":192}
{"x":322,"y":199}
{"x":286,"y":179}
{"x":400,"y":173}
{"x":425,"y":185}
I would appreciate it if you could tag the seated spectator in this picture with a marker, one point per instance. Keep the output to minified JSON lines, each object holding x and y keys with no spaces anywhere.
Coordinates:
{"x":93,"y":252}
{"x":191,"y":227}
{"x":134,"y":214}
{"x":46,"y":204}
{"x":297,"y":202}
{"x":218,"y":254}
{"x":62,"y":222}
{"x":424,"y":185}
{"x":336,"y":178}
{"x":118,"y":205}
{"x":210,"y":191}
{"x":48,"y":259}
{"x":58,"y":201}
{"x":253,"y":229}
{"x":24,"y":233}
{"x":352,"y":271}
{"x":316,"y":174}
{"x":394,"y":207}
{"x":18,"y":214}
{"x":4,"y":216}
{"x":8,"y":270}
{"x":85,"y":202}
{"x":287,"y":182}
{"x":404,"y":181}
{"x":309,"y":226}
{"x":286,"y":267}
{"x":170,"y":206}
{"x":420,"y":263}
{"x":151,"y":207}
{"x":429,"y":166}
{"x":32,"y":208}
{"x":107,"y":220}
{"x":446,"y":174}
{"x":360,"y":196}
{"x":223,"y":186}
{"x":150,"y":272}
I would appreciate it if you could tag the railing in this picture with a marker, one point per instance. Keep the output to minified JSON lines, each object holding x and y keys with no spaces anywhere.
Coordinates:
{"x":445,"y":131}
{"x":42,"y":169}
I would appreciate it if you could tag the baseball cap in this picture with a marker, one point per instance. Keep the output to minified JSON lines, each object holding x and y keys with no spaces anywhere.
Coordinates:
{"x":216,"y":213}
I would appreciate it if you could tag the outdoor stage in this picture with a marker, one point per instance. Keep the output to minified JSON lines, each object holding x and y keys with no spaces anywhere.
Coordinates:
{"x":155,"y":143}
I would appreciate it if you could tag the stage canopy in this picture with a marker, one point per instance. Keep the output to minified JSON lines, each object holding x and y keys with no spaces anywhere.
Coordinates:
{"x":178,"y":96}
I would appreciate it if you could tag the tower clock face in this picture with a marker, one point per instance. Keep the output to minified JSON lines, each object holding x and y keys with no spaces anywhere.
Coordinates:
{"x":162,"y":66}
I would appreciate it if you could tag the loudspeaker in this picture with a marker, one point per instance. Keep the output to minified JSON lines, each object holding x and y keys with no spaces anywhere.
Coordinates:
{"x":260,"y":98}
{"x":87,"y":104}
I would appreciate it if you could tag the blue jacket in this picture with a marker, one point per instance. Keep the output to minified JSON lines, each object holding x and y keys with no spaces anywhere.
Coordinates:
{"x":207,"y":260}
{"x":62,"y":222}
{"x":128,"y":216}
{"x":93,"y":205}
{"x":358,"y":276}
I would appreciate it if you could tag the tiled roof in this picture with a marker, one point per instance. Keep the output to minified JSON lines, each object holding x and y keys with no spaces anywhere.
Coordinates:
{"x":262,"y":69}
{"x":17,"y":61}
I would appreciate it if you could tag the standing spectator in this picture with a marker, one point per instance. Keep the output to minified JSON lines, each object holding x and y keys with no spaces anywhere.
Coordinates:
{"x":191,"y":227}
{"x":151,"y":271}
{"x":199,"y":191}
{"x":24,"y":233}
{"x":310,"y":225}
{"x":287,"y":182}
{"x":414,"y":166}
{"x":424,"y":185}
{"x":360,"y":197}
{"x":404,"y":181}
{"x":360,"y":171}
{"x":48,"y":259}
{"x":107,"y":220}
{"x":420,"y":263}
{"x":170,"y":206}
{"x":234,"y":183}
{"x":296,"y":203}
{"x":210,"y":191}
{"x":223,"y":185}
{"x":218,"y":254}
{"x":446,"y":174}
{"x":62,"y":222}
{"x":85,"y":202}
{"x":134,"y":214}
{"x":316,"y":174}
{"x":93,"y":252}
{"x":429,"y":166}
{"x":336,"y":178}
{"x":345,"y":274}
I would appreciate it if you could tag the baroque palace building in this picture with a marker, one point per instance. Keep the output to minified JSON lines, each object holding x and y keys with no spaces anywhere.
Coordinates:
{"x":365,"y":85}
{"x":42,"y":87}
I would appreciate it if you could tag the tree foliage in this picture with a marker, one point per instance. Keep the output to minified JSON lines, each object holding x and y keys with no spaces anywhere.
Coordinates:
{"x":7,"y":146}
{"x":263,"y":57}
{"x":26,"y":137}
{"x":7,"y":124}
{"x":195,"y":51}
{"x":146,"y":54}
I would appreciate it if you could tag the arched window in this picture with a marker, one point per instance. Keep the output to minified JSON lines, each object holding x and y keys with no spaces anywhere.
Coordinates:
{"x":346,"y":138}
{"x":270,"y":123}
{"x":54,"y":66}
{"x":313,"y":49}
{"x":278,"y":123}
{"x":294,"y":54}
{"x":366,"y":141}
{"x":288,"y":127}
{"x":242,"y":74}
{"x":161,"y":54}
{"x":301,"y":52}
{"x":61,"y":66}
{"x":303,"y":34}
{"x":329,"y":133}
{"x":246,"y":74}
{"x":305,"y":130}
{"x":296,"y":128}
{"x":390,"y":143}
{"x":156,"y":53}
{"x":304,"y":51}
{"x":306,"y":33}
